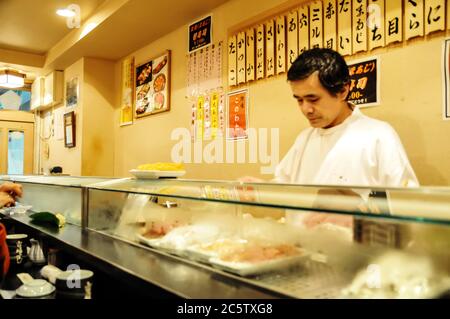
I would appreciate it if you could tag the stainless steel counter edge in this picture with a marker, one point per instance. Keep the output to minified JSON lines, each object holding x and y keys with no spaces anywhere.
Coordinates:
{"x":172,"y":274}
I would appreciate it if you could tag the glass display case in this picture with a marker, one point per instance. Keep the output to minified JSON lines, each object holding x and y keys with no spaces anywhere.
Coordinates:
{"x":297,"y":241}
{"x":59,"y":194}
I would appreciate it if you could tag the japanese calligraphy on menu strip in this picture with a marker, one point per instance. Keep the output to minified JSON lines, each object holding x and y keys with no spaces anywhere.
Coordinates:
{"x":376,"y":23}
{"x":413,"y":18}
{"x":303,"y":29}
{"x":260,"y":56}
{"x":316,"y":25}
{"x":280,"y":45}
{"x":344,"y":27}
{"x":359,"y":26}
{"x":232,"y":59}
{"x":393,"y":21}
{"x":434,"y":15}
{"x":270,"y":48}
{"x":250,"y":55}
{"x":329,"y":25}
{"x":292,"y":37}
{"x":241,"y":57}
{"x":348,"y":26}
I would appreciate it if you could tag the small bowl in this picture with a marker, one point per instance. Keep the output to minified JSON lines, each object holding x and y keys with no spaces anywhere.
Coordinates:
{"x":12,"y":239}
{"x":73,"y":280}
{"x":35,"y":288}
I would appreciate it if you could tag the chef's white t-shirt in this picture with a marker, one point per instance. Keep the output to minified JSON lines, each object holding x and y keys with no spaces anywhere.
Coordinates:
{"x":361,"y":151}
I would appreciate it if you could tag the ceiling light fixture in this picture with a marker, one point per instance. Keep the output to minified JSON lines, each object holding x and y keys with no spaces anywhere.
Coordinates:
{"x":65,"y":12}
{"x":72,"y":14}
{"x":11,"y":79}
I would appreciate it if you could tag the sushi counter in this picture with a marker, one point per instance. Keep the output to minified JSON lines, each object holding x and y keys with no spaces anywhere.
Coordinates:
{"x":131,"y":271}
{"x":169,"y":238}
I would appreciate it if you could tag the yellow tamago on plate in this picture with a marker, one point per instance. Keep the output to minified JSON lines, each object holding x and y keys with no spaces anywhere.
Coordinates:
{"x":158,"y":170}
{"x":161,"y":167}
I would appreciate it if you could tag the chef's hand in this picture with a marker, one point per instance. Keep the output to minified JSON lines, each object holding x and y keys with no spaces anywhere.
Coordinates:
{"x":344,"y":200}
{"x":315,"y":219}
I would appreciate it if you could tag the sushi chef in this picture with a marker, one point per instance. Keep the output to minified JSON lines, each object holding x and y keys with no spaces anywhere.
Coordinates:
{"x":342,"y":146}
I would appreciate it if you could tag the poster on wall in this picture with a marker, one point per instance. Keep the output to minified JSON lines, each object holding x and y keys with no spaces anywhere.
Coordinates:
{"x":237,"y":122}
{"x":446,"y":79}
{"x":72,"y":93}
{"x":200,"y":34}
{"x":126,"y":107}
{"x":365,"y":82}
{"x":153,"y":86}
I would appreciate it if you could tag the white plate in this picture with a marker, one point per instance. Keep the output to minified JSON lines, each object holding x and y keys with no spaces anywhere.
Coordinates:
{"x":145,"y":174}
{"x":247,"y":269}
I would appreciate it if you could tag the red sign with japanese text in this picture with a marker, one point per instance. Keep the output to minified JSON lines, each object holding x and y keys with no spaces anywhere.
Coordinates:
{"x":237,"y":115}
{"x":364,"y":82}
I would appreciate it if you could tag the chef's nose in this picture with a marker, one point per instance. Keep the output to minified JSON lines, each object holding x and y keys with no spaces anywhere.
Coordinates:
{"x":307,"y":108}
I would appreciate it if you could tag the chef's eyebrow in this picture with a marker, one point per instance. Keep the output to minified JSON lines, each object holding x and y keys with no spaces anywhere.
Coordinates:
{"x":305,"y":97}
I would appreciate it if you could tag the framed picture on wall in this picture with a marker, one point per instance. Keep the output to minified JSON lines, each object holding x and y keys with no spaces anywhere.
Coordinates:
{"x":152,"y":86}
{"x":72,"y":92}
{"x":69,"y":129}
{"x":127,"y":98}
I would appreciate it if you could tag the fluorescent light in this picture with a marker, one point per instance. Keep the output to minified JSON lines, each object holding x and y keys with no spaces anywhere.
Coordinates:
{"x":65,"y":12}
{"x":11,"y":79}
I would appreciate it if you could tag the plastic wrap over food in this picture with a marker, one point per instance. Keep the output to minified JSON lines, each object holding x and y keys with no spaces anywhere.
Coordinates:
{"x":398,"y":275}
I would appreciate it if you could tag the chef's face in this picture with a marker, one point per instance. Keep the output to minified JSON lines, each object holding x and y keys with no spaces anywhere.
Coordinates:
{"x":322,"y":109}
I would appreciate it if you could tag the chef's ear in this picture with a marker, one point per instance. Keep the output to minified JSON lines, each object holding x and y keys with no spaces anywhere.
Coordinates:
{"x":344,"y":94}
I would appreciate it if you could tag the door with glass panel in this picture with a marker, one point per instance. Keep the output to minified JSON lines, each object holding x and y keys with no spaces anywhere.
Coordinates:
{"x":16,"y":147}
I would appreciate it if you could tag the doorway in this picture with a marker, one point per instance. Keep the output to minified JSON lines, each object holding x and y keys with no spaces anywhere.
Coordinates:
{"x":16,"y":142}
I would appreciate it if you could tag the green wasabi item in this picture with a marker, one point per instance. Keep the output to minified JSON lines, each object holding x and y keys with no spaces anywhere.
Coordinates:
{"x":47,"y":217}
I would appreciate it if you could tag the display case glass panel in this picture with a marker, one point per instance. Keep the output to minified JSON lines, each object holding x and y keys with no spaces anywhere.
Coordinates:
{"x":300,"y":241}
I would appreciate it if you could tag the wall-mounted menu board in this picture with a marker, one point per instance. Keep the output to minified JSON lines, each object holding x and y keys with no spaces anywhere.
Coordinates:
{"x":348,"y":26}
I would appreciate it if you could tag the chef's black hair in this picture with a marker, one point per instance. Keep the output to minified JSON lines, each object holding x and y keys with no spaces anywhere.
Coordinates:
{"x":333,"y":70}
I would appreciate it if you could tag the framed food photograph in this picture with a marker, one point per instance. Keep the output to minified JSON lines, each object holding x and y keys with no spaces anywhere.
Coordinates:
{"x":152,"y":93}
